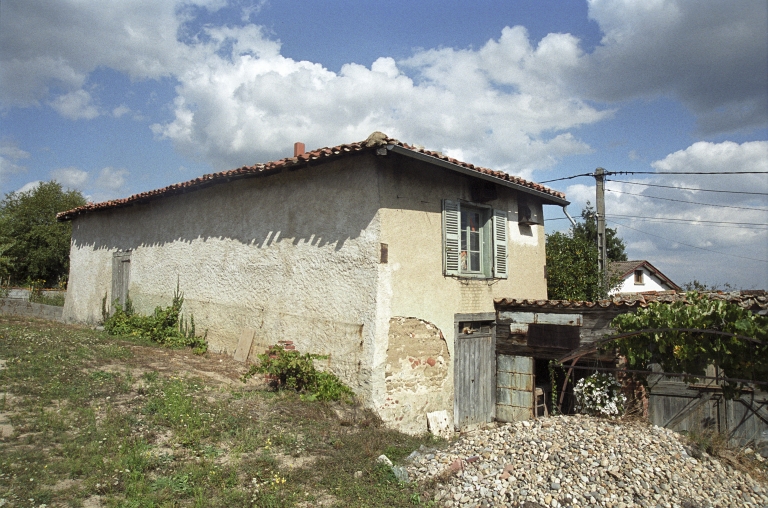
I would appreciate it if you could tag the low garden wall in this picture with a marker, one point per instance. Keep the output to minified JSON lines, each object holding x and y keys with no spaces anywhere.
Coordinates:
{"x":16,"y":307}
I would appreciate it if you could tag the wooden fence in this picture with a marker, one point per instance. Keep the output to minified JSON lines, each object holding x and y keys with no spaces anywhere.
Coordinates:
{"x":701,"y":406}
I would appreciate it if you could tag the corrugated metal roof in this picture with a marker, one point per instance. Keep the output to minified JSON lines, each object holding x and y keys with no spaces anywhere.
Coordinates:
{"x":755,"y":301}
{"x":375,"y":141}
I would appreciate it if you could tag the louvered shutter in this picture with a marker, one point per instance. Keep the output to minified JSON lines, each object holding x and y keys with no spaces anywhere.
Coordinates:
{"x":451,"y":236}
{"x":500,"y":269}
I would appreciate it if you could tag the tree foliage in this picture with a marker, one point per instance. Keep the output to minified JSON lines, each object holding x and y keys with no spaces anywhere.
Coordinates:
{"x":572,"y":268}
{"x":587,"y":229}
{"x":39,"y":245}
{"x":572,"y":272}
{"x":692,"y":352}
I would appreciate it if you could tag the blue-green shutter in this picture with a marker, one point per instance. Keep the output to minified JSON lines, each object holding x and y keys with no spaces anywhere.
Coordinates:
{"x":500,"y":269}
{"x":451,"y":236}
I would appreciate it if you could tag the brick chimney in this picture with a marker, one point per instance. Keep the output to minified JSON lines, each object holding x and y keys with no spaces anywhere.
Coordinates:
{"x":298,"y":148}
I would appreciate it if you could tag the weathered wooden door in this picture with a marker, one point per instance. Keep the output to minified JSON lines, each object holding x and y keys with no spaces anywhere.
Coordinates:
{"x":121,"y":277}
{"x":474,"y":375}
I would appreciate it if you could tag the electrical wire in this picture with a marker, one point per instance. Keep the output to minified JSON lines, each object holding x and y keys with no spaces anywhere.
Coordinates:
{"x":688,"y":245}
{"x":568,"y":177}
{"x":689,"y":202}
{"x":673,"y":221}
{"x":686,"y":173}
{"x":688,"y":220}
{"x":688,"y":188}
{"x":609,"y":173}
{"x":656,"y":221}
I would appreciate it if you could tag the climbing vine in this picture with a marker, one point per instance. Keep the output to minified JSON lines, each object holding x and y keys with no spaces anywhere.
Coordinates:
{"x":741,"y":352}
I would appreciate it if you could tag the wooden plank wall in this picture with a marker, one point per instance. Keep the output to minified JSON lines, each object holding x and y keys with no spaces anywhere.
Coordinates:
{"x":701,"y":407}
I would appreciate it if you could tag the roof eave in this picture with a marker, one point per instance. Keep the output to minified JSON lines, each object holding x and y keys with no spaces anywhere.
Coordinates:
{"x":546,"y":198}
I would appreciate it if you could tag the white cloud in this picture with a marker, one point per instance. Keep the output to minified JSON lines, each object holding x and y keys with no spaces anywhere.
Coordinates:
{"x":30,"y":186}
{"x":111,"y":179}
{"x":252,"y":103}
{"x":120,"y":110}
{"x":713,"y":56}
{"x":10,"y":154}
{"x":71,"y":177}
{"x":75,"y":105}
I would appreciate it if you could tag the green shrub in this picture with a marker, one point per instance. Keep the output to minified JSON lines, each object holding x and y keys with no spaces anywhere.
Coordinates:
{"x":296,"y":371}
{"x":165,"y":326}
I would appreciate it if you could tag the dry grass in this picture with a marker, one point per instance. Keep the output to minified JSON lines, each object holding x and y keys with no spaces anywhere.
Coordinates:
{"x":104,"y":422}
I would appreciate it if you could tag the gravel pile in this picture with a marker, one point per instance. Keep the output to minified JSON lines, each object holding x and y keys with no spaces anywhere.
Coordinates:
{"x":581,"y":461}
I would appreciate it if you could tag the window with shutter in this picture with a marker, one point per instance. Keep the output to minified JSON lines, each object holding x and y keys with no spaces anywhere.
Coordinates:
{"x":451,"y":220}
{"x":500,"y":244}
{"x":474,"y":241}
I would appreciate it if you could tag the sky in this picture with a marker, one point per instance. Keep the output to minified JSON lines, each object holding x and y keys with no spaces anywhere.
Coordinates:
{"x":116,"y":98}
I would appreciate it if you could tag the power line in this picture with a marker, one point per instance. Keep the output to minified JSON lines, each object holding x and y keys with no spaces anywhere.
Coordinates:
{"x":672,"y":219}
{"x":690,"y":188}
{"x":690,"y":202}
{"x":686,"y":173}
{"x":608,"y":173}
{"x":730,"y":226}
{"x":568,"y":177}
{"x":689,"y":245}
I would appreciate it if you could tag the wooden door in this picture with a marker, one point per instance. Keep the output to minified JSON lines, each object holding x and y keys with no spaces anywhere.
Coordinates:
{"x":121,"y":277}
{"x":474,"y":377}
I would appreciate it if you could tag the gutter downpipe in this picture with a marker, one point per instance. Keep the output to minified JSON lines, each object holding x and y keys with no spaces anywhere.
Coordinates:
{"x":573,"y":222}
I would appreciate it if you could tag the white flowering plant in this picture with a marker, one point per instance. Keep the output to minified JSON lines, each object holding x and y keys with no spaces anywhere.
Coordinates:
{"x":599,"y":395}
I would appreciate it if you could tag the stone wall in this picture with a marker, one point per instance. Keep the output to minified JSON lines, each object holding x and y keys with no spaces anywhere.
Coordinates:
{"x":15,"y":307}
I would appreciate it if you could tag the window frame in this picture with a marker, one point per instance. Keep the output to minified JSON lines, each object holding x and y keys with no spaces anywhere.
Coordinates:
{"x":494,"y":240}
{"x":639,"y":277}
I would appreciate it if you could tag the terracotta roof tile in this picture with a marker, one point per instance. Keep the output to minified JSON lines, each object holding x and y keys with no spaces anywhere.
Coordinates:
{"x":321,"y":154}
{"x":754,"y":300}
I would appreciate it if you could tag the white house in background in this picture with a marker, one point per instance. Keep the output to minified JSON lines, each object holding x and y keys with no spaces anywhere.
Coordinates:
{"x":383,"y":256}
{"x":640,"y":277}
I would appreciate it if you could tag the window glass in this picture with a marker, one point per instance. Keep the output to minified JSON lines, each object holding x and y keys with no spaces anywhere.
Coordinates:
{"x":471,"y":240}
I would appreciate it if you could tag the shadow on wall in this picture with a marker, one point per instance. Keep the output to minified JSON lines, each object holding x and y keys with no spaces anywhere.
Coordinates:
{"x":317,"y":208}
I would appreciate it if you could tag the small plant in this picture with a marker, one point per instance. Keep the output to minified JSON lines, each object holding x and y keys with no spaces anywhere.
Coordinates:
{"x":599,"y":395}
{"x":296,"y":371}
{"x":165,"y":326}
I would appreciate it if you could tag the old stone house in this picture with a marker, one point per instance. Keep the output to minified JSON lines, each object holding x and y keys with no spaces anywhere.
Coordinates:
{"x":384,"y":256}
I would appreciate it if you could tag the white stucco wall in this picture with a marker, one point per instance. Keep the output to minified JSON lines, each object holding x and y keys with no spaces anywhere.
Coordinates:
{"x":650,"y":283}
{"x":292,"y":256}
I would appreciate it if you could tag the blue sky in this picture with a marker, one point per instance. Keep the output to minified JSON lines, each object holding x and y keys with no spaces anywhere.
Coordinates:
{"x":118,"y":98}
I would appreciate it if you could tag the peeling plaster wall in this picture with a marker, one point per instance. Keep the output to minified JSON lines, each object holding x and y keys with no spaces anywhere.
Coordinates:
{"x":292,"y":256}
{"x":411,"y":226}
{"x":416,"y":374}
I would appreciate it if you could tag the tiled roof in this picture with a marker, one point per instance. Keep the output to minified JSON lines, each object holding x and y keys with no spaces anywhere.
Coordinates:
{"x":755,"y":301}
{"x":374,"y":141}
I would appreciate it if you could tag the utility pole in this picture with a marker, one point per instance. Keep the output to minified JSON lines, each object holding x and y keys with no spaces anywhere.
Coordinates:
{"x":602,"y":258}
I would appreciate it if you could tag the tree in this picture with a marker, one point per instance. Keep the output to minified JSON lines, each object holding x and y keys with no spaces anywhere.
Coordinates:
{"x":741,"y":352}
{"x":572,"y":268}
{"x":614,"y":246}
{"x":572,"y":272}
{"x":40,"y":244}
